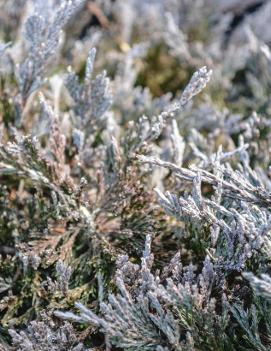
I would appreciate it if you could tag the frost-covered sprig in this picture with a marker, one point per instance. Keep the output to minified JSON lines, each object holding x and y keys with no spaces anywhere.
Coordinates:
{"x":91,"y":99}
{"x":63,"y":272}
{"x":236,"y":184}
{"x":45,"y":335}
{"x":23,"y":158}
{"x":152,"y":313}
{"x":207,"y":159}
{"x":149,"y":129}
{"x":59,"y":286}
{"x":42,"y":35}
{"x":196,"y":84}
{"x":243,"y":232}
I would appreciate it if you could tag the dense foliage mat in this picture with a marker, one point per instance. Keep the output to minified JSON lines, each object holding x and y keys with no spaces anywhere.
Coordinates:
{"x":135,"y":175}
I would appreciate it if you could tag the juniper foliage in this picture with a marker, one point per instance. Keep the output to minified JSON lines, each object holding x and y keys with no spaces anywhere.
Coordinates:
{"x":130,"y":127}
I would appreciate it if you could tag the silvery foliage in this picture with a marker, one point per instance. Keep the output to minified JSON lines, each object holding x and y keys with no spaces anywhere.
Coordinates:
{"x":45,"y":335}
{"x":239,"y":223}
{"x":91,"y":99}
{"x":243,"y":184}
{"x":196,"y":84}
{"x":237,"y":214}
{"x":42,"y":32}
{"x":23,"y":157}
{"x":63,"y":276}
{"x":61,"y":284}
{"x":148,"y":129}
{"x":149,"y":311}
{"x":91,"y":102}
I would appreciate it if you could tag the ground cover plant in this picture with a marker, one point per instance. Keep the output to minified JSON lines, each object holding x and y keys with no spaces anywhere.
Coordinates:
{"x":135,"y":175}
